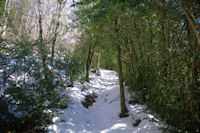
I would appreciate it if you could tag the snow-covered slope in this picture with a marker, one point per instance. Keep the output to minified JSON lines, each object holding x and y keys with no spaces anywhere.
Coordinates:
{"x":103,"y":115}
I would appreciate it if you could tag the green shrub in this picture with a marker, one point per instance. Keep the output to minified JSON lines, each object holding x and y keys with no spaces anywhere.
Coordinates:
{"x":28,"y":99}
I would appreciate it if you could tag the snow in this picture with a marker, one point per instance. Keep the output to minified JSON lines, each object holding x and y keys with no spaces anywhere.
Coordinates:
{"x":12,"y":110}
{"x":103,"y":115}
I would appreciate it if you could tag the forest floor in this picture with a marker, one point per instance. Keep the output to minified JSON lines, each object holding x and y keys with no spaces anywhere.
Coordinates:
{"x":103,"y":115}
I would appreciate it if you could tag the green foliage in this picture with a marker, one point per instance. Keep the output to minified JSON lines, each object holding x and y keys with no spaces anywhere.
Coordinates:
{"x":71,"y":64}
{"x":29,"y":101}
{"x":160,"y":53}
{"x":2,"y":5}
{"x":30,"y":82}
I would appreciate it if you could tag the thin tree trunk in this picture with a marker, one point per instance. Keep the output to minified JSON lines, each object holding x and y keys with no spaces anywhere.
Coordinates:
{"x":21,"y":26}
{"x":56,"y":33}
{"x":164,"y":37}
{"x":124,"y":111}
{"x":171,"y":54}
{"x":98,"y":61}
{"x":88,"y":65}
{"x":194,"y":63}
{"x":131,"y":62}
{"x":71,"y":81}
{"x":5,"y":13}
{"x":88,"y":62}
{"x":130,"y":56}
{"x":190,"y":21}
{"x":195,"y":50}
{"x":42,"y":48}
{"x":136,"y":49}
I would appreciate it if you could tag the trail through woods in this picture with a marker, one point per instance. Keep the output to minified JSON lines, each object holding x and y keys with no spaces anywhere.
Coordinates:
{"x":103,"y":115}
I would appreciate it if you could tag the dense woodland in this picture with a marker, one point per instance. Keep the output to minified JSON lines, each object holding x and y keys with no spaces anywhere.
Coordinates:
{"x":154,"y":45}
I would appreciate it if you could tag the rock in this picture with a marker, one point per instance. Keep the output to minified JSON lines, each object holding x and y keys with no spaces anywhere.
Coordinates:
{"x":62,"y":121}
{"x":89,"y":100}
{"x":134,"y":100}
{"x":93,"y":70}
{"x":70,"y":85}
{"x":50,"y":121}
{"x":136,"y":122}
{"x":94,"y":94}
{"x":84,"y":104}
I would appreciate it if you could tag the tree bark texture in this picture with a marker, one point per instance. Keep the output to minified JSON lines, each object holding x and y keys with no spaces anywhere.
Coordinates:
{"x":124,"y":111}
{"x":88,"y":62}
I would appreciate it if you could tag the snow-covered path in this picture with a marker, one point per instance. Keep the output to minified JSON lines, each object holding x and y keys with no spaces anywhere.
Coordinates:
{"x":103,"y":115}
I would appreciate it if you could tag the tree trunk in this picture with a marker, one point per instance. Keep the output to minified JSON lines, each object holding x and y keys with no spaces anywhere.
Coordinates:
{"x":42,"y":48}
{"x":88,"y":63}
{"x":71,"y":81}
{"x":98,"y":61}
{"x":171,"y":54}
{"x":134,"y":61}
{"x":124,"y":111}
{"x":6,"y":12}
{"x":188,"y":15}
{"x":164,"y":42}
{"x":190,"y":20}
{"x":194,"y":63}
{"x":56,"y":34}
{"x":130,"y":54}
